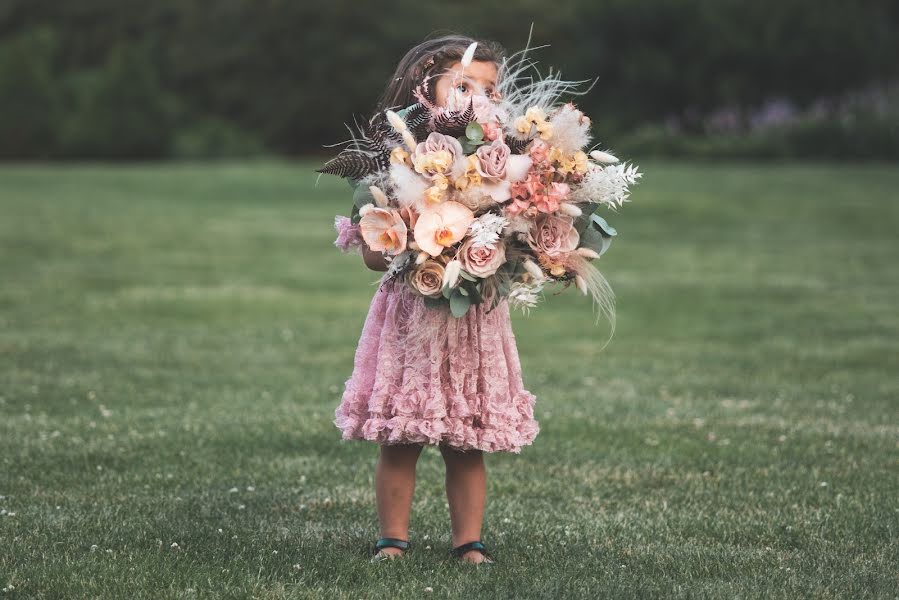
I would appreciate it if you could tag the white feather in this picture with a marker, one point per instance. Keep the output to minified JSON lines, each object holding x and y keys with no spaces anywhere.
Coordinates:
{"x":469,"y":54}
{"x":409,"y":186}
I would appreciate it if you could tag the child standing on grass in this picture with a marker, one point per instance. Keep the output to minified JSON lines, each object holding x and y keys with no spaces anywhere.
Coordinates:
{"x":422,"y":376}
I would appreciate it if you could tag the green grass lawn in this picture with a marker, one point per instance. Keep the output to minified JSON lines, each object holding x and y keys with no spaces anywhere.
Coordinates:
{"x":174,"y":340}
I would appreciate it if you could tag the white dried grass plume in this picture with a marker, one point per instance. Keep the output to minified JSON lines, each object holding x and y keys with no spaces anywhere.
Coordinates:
{"x":525,"y":296}
{"x":606,"y":184}
{"x":571,"y":130}
{"x":486,"y":230}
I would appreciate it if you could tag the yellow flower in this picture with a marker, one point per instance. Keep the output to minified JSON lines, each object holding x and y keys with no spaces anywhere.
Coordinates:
{"x":433,"y":162}
{"x":522,"y":125}
{"x":566,"y":165}
{"x":434,"y":195}
{"x":557,"y":269}
{"x":461,"y":183}
{"x":399,"y":156}
{"x":535,"y":115}
{"x":545,"y":128}
{"x":555,"y":155}
{"x":440,"y":181}
{"x":581,"y":163}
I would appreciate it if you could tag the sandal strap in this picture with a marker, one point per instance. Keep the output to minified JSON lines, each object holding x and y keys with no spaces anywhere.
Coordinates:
{"x":392,"y":543}
{"x":475,"y":545}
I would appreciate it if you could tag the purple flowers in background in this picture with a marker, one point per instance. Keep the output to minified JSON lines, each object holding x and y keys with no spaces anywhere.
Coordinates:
{"x":779,"y":112}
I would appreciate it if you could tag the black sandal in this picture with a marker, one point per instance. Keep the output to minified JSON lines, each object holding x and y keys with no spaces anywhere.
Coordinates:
{"x":459,"y":551}
{"x":389,"y":543}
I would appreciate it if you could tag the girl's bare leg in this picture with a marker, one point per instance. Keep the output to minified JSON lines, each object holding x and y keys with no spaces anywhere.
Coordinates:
{"x":466,"y":490}
{"x":394,"y":487}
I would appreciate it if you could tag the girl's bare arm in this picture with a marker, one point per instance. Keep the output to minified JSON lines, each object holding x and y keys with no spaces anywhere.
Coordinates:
{"x":374,"y":260}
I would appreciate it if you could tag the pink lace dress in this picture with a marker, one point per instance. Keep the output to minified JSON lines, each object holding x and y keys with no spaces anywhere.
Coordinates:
{"x":421,"y":375}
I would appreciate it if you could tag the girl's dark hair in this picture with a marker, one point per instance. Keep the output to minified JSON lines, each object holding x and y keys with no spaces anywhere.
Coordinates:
{"x":417,"y":64}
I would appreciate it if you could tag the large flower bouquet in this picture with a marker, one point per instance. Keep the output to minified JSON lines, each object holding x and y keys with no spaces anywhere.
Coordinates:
{"x":484,"y":199}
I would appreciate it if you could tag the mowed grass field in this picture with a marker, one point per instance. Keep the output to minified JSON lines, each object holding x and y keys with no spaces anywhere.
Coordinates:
{"x":174,"y":339}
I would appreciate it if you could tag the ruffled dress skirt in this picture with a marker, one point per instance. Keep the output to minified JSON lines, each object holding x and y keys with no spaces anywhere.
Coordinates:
{"x":422,"y":376}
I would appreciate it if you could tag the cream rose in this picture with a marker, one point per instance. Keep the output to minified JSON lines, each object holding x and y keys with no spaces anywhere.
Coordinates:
{"x":481,"y":261}
{"x":553,"y":235}
{"x":427,"y":278}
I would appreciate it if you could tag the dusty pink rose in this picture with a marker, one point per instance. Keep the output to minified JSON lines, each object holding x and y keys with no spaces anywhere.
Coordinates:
{"x":492,"y":160}
{"x":384,"y":230}
{"x":481,"y":261}
{"x":553,"y":235}
{"x":427,"y":278}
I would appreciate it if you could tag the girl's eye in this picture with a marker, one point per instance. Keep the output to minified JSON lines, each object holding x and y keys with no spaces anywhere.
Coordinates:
{"x":462,"y":88}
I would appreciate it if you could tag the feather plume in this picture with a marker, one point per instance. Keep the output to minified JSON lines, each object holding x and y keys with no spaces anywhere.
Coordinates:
{"x":469,"y":54}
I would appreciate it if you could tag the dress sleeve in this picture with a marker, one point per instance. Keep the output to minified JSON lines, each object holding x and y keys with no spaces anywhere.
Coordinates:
{"x":349,"y":235}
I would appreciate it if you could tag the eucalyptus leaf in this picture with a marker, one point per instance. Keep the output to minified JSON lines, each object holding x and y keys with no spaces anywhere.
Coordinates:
{"x":466,"y":275}
{"x":447,"y":292}
{"x":594,"y":239}
{"x":362,"y":196}
{"x":469,"y":146}
{"x":587,"y":209}
{"x":601,"y":223}
{"x":459,"y":305}
{"x":474,"y":292}
{"x":474,"y":131}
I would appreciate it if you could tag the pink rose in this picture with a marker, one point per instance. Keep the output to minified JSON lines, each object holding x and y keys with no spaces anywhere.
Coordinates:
{"x":492,"y":160}
{"x":553,"y":235}
{"x":481,"y":261}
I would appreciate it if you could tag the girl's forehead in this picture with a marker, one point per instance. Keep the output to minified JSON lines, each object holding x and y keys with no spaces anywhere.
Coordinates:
{"x":484,"y":71}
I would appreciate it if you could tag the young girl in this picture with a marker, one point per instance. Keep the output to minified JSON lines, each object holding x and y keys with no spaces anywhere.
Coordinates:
{"x":421,"y":376}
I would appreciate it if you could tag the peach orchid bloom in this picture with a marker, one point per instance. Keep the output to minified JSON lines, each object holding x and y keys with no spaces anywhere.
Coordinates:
{"x":384,"y":230}
{"x":442,"y":226}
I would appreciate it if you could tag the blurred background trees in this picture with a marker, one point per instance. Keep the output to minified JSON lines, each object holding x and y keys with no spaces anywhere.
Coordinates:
{"x":122,"y":79}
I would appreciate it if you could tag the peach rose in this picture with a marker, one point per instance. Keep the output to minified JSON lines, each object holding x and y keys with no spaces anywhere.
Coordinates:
{"x":441,"y":226}
{"x":384,"y":230}
{"x":481,"y":261}
{"x":553,"y":235}
{"x":427,"y":278}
